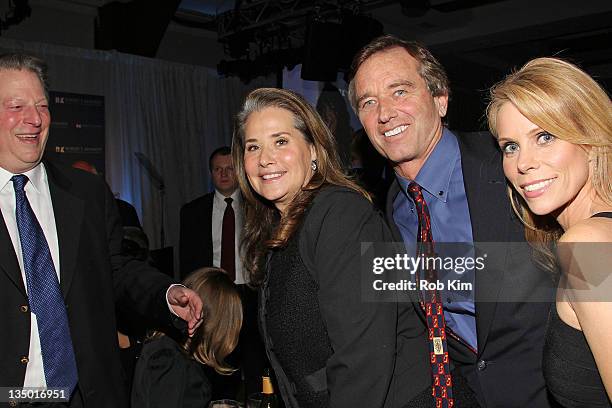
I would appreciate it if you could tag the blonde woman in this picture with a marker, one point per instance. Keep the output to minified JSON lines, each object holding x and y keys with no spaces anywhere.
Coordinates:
{"x":553,"y":124}
{"x":172,"y":374}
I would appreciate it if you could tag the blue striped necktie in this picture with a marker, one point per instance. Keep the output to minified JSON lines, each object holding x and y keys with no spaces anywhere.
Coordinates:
{"x":44,"y":295}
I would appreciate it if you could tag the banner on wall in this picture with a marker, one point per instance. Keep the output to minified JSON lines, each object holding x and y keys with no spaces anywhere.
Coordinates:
{"x":77,"y":129}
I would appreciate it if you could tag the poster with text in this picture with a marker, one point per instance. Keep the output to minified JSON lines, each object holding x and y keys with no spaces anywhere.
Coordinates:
{"x":76,"y":135}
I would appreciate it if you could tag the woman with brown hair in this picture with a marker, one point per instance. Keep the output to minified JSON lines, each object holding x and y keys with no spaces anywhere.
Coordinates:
{"x":171,"y":374}
{"x":554,"y":126}
{"x":305,"y":222}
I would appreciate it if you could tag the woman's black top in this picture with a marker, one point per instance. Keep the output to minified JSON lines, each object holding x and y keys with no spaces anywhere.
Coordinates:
{"x":327,"y":346}
{"x":571,"y":374}
{"x":165,"y":377}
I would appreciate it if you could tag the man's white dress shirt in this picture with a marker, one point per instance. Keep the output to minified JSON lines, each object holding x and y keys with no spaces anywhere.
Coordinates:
{"x":219,"y":206}
{"x":37,"y":191}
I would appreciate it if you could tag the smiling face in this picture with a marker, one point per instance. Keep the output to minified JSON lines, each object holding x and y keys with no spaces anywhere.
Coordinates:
{"x":24,"y":120}
{"x":277,"y":156}
{"x":552,"y":175}
{"x":399,"y":114}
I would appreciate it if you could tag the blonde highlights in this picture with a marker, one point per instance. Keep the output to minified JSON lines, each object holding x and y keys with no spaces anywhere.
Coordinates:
{"x":222,"y":313}
{"x":564,"y":101}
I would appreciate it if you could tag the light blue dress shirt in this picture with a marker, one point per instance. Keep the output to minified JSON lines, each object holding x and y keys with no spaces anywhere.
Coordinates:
{"x":441,"y":180}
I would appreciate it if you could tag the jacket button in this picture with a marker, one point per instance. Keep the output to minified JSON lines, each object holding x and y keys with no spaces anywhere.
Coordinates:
{"x":12,"y":403}
{"x":24,"y":308}
{"x":24,"y":360}
{"x":481,"y":365}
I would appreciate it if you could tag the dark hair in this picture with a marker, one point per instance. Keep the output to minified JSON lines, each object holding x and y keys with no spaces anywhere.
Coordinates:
{"x":263,"y":229}
{"x":220,"y":151}
{"x":19,"y":62}
{"x":430,"y":69}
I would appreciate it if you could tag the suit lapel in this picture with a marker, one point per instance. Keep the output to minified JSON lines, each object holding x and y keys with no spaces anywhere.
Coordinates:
{"x":208,"y":225}
{"x":68,"y":212}
{"x":8,"y":259}
{"x":394,"y":190}
{"x":485,"y":188}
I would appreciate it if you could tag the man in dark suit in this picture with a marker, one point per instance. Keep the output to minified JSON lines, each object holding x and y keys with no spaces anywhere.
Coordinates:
{"x":400,"y":93}
{"x":201,"y":219}
{"x":61,"y":267}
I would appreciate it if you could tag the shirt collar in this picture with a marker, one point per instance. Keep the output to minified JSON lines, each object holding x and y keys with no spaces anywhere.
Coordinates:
{"x":235,"y":195}
{"x":36,"y":176}
{"x":435,"y":175}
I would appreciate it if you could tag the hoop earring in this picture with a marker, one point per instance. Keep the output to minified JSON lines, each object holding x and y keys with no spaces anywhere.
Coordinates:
{"x":313,"y":165}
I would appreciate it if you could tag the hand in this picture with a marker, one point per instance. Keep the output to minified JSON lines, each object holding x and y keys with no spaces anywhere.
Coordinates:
{"x":187,"y":305}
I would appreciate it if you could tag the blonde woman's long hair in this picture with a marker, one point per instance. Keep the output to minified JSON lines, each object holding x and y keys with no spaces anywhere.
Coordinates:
{"x":563,"y":100}
{"x":218,"y":334}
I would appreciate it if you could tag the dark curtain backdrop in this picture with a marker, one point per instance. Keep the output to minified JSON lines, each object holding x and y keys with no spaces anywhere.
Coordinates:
{"x":175,"y":114}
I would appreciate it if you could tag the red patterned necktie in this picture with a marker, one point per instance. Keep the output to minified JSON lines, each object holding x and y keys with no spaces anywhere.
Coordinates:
{"x":442,"y":388}
{"x":228,"y":233}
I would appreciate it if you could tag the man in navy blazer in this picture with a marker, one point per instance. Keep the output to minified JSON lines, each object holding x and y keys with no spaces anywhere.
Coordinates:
{"x":201,"y":219}
{"x":78,"y":217}
{"x":400,"y":93}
